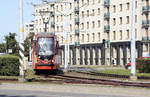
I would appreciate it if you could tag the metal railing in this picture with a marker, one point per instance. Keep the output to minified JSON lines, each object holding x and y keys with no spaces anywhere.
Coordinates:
{"x":145,"y":9}
{"x":106,"y":15}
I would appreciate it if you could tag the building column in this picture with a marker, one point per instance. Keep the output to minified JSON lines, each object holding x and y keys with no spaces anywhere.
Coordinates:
{"x":81,"y":56}
{"x":103,"y":54}
{"x":140,"y":49}
{"x":74,"y":56}
{"x":61,"y":56}
{"x":124,"y":55}
{"x":96,"y":55}
{"x":91,"y":55}
{"x":111,"y":55}
{"x":86,"y":55}
{"x":118,"y":55}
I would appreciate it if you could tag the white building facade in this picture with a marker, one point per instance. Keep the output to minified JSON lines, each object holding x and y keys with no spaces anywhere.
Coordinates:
{"x":28,"y":28}
{"x":100,"y":30}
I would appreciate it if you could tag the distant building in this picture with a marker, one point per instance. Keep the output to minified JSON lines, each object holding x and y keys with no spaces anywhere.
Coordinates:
{"x":100,"y":30}
{"x":28,"y":28}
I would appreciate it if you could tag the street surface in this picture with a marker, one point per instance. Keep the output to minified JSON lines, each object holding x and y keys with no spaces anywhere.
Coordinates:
{"x":68,"y":90}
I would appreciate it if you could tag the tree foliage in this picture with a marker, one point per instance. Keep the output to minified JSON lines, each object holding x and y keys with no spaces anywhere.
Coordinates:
{"x":27,"y":43}
{"x":2,"y":48}
{"x":11,"y":43}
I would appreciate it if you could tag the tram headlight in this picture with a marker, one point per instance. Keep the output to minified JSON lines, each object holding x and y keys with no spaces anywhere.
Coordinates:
{"x":52,"y":60}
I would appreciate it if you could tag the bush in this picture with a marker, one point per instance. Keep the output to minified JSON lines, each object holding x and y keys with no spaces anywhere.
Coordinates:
{"x":143,"y":65}
{"x":9,"y":65}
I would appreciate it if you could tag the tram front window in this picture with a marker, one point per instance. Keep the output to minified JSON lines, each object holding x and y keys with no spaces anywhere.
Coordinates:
{"x":45,"y":46}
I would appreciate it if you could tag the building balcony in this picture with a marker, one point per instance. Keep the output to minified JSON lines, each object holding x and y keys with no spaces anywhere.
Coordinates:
{"x":145,"y":23}
{"x":76,"y":10}
{"x":76,"y":0}
{"x":77,"y":32}
{"x":52,"y":14}
{"x":145,"y":38}
{"x":106,"y":3}
{"x":77,"y":21}
{"x":106,"y":28}
{"x":146,"y":9}
{"x":77,"y":43}
{"x":52,"y":5}
{"x":106,"y":16}
{"x":52,"y":24}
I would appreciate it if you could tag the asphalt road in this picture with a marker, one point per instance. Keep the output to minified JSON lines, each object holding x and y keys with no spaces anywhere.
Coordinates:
{"x":68,"y":90}
{"x":26,"y":93}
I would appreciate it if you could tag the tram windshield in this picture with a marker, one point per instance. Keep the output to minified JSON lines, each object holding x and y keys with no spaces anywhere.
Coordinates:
{"x":45,"y":46}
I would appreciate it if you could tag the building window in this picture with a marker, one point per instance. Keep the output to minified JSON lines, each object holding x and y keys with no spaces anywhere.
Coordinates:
{"x":82,"y":2}
{"x":82,"y":26}
{"x":57,"y":19}
{"x":87,"y":2}
{"x":93,"y":24}
{"x":120,"y":7}
{"x":61,"y":28}
{"x":70,"y":5}
{"x":82,"y":14}
{"x":70,"y":28}
{"x":87,"y":25}
{"x":136,"y":4}
{"x":114,"y":8}
{"x":114,"y":35}
{"x":114,"y":21}
{"x":62,"y":39}
{"x":93,"y":1}
{"x":61,"y":7}
{"x":82,"y":37}
{"x":99,"y":24}
{"x":57,"y":7}
{"x":47,"y":9}
{"x":99,"y":11}
{"x":108,"y":36}
{"x":87,"y":13}
{"x":120,"y":20}
{"x":70,"y":38}
{"x":128,"y":34}
{"x":70,"y":16}
{"x":93,"y":12}
{"x":128,"y":6}
{"x":88,"y":38}
{"x":120,"y":34}
{"x":99,"y":36}
{"x":135,"y":33}
{"x":93,"y":37}
{"x":136,"y":18}
{"x":61,"y":17}
{"x":40,"y":21}
{"x":145,"y":47}
{"x":57,"y":28}
{"x":128,"y":21}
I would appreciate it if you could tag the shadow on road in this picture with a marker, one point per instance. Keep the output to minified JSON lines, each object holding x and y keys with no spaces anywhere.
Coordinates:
{"x":15,"y":96}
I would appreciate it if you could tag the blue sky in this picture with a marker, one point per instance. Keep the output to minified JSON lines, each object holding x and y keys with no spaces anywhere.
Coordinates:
{"x":9,"y":15}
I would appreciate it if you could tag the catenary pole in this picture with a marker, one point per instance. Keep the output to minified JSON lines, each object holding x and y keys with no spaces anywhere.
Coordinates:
{"x":67,"y":35}
{"x":21,"y":43}
{"x":133,"y":42}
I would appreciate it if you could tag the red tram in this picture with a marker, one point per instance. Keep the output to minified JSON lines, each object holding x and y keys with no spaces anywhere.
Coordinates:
{"x":45,"y":53}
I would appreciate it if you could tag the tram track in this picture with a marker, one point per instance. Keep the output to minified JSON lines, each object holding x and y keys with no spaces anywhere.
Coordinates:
{"x":82,"y":78}
{"x":100,"y":81}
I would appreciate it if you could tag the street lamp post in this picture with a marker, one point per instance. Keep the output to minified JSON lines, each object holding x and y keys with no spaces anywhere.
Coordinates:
{"x":21,"y":44}
{"x":67,"y":36}
{"x":133,"y":42}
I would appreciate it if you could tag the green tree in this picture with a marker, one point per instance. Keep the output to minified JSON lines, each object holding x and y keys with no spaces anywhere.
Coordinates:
{"x":11,"y":42}
{"x":27,"y":43}
{"x":2,"y":48}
